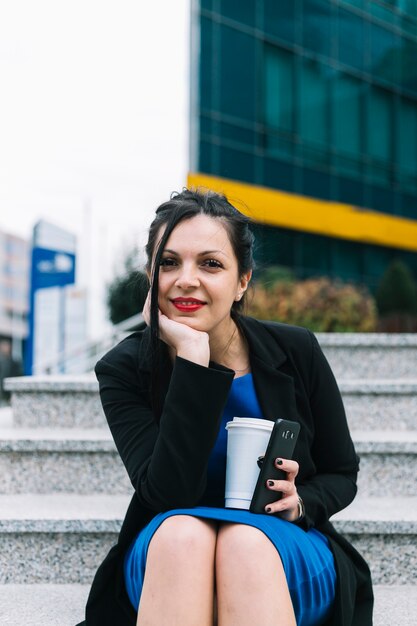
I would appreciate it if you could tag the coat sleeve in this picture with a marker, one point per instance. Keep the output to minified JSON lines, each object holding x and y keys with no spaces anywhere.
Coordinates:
{"x":333,"y":486}
{"x":166,"y":464}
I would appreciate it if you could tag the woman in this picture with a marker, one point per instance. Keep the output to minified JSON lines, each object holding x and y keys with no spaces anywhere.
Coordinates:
{"x":167,"y":392}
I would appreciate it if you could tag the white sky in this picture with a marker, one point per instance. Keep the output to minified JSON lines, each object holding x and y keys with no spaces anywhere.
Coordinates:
{"x":93,"y":121}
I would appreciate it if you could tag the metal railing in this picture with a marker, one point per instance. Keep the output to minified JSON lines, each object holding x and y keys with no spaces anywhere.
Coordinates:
{"x":82,"y":358}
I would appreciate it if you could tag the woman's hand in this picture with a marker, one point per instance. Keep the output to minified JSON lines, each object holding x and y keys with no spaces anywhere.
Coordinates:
{"x":287,"y":507}
{"x":188,"y":343}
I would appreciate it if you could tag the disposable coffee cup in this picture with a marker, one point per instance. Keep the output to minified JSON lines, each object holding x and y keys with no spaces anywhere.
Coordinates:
{"x":247,"y":439}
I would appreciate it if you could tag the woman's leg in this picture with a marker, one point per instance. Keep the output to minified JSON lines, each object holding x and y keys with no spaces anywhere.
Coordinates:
{"x":250,"y":579}
{"x":178,"y":588}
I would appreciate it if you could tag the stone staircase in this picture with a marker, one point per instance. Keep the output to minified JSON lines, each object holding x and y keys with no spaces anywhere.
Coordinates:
{"x":64,"y":490}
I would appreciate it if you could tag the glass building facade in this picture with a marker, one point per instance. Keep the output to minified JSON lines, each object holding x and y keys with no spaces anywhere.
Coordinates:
{"x":317,"y":98}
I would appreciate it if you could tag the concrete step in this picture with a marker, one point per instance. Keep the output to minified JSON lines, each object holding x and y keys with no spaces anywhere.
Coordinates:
{"x":84,"y":461}
{"x":46,"y":605}
{"x":65,"y":537}
{"x":56,"y":401}
{"x":380,"y":404}
{"x":388,"y":462}
{"x":64,"y":605}
{"x":384,"y":530}
{"x":73,"y":402}
{"x":370,"y":355}
{"x":60,"y":538}
{"x":60,"y":461}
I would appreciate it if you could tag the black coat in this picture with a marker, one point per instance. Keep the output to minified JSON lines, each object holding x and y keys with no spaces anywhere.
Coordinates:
{"x":294,"y":381}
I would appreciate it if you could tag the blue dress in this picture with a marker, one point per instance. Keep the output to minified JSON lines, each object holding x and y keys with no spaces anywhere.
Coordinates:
{"x":306,"y":557}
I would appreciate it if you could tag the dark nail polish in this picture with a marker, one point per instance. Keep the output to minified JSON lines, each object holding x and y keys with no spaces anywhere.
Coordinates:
{"x":279,"y":461}
{"x":268,"y":509}
{"x":271,"y":483}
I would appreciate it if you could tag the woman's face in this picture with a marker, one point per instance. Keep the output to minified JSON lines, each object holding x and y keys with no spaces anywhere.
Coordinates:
{"x":198,"y":277}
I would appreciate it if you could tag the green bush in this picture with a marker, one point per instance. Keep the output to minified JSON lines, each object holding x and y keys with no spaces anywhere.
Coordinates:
{"x":397,"y":291}
{"x":319,"y":304}
{"x":126,"y":294}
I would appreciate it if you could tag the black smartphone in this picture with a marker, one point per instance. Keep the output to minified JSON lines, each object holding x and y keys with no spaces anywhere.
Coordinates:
{"x":281,"y":445}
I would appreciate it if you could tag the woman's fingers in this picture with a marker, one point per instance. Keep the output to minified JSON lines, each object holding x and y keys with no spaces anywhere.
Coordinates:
{"x":283,"y":486}
{"x":286,"y":507}
{"x":289,"y":467}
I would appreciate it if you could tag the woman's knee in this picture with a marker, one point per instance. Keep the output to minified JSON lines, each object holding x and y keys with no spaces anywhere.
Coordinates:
{"x":244,"y":548}
{"x":184,"y":536}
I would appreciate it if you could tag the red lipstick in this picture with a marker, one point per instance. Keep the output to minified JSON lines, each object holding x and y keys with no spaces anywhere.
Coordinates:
{"x":187,"y":305}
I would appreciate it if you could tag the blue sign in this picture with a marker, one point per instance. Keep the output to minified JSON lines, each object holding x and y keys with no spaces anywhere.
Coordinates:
{"x":50,"y":268}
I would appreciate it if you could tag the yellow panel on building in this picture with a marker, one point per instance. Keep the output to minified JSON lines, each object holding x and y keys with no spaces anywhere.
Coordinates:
{"x":321,"y":217}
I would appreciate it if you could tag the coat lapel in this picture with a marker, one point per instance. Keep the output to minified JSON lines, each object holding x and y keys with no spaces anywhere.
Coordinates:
{"x":275,"y":388}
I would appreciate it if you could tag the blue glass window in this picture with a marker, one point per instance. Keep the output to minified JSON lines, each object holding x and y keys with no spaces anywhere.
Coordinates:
{"x":244,"y":12}
{"x":355,"y":3}
{"x":313,"y":104}
{"x":347,"y":165}
{"x":408,"y":72}
{"x":376,"y":259}
{"x":351,"y":30}
{"x":408,"y":6}
{"x":384,"y":199}
{"x":379,"y":124}
{"x":346,"y":108}
{"x":383,"y":12}
{"x":237,"y":133}
{"x":350,"y":191}
{"x":409,"y":26}
{"x":317,"y":26}
{"x":205,"y":125}
{"x":385,"y":54}
{"x":408,"y":206}
{"x":406,"y":143}
{"x":274,"y":245}
{"x":279,"y":88}
{"x":279,"y":145}
{"x":237,"y":165}
{"x":314,"y":254}
{"x":206,"y":84}
{"x":346,"y":259}
{"x":238,"y":86}
{"x":317,"y":184}
{"x":280,"y":19}
{"x":204,"y":158}
{"x":278,"y":175}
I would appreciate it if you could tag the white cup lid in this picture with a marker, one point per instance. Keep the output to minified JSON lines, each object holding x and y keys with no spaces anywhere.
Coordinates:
{"x":256,"y":422}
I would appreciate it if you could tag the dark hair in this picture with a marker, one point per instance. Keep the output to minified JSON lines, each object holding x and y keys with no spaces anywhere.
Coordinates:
{"x":180,"y":207}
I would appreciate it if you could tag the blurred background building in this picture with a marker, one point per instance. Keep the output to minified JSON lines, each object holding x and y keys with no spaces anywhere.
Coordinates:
{"x":58,"y":309}
{"x":14,"y":289}
{"x":307,"y":110}
{"x":14,"y":306}
{"x":43,"y":313}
